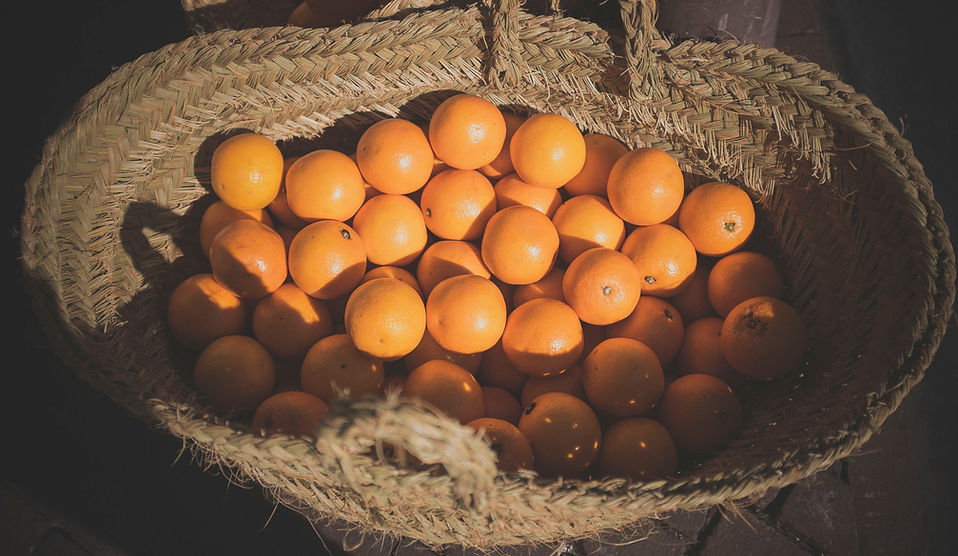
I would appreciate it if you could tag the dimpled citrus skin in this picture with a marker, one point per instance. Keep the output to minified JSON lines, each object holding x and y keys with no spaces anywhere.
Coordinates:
{"x":564,"y":432}
{"x":638,"y":448}
{"x":520,"y":245}
{"x":512,"y":448}
{"x":764,"y":338}
{"x":327,"y":259}
{"x":394,"y":156}
{"x":547,"y":150}
{"x":664,"y":256}
{"x":324,"y":184}
{"x":249,"y":258}
{"x":701,"y":412}
{"x":602,"y":285}
{"x":246,"y":171}
{"x":386,"y":318}
{"x":467,"y":131}
{"x":543,"y":337}
{"x":601,"y":153}
{"x":466,"y":313}
{"x":456,"y":204}
{"x":448,"y":387}
{"x":645,"y":186}
{"x":717,"y":217}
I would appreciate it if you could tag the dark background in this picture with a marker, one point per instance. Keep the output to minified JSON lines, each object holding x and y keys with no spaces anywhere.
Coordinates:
{"x":75,"y":455}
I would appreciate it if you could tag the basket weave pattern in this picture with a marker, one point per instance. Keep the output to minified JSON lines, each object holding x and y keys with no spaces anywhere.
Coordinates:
{"x":113,"y":203}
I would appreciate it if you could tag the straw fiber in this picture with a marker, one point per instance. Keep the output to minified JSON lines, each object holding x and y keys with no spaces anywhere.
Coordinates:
{"x":113,"y":206}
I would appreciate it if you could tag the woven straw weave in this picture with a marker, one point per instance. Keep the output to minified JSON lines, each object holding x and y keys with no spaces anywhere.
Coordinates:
{"x":112,"y":209}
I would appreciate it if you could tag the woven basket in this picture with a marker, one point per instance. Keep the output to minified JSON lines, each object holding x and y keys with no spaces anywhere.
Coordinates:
{"x":113,"y":206}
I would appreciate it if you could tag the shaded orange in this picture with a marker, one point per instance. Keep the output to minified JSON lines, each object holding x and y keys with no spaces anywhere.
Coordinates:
{"x":764,"y":338}
{"x":333,"y":369}
{"x":740,"y":276}
{"x":622,"y":377}
{"x":655,"y":323}
{"x":549,"y":286}
{"x":235,"y":374}
{"x":291,"y":412}
{"x":564,"y":432}
{"x":701,"y":412}
{"x":288,"y":321}
{"x":569,"y":382}
{"x":639,"y":449}
{"x":219,"y":214}
{"x":201,"y":309}
{"x":429,"y":349}
{"x":466,"y":314}
{"x":501,"y":404}
{"x":701,"y":351}
{"x":385,"y":318}
{"x":446,"y":258}
{"x":512,"y":448}
{"x":502,"y":164}
{"x":601,"y":153}
{"x":446,"y":387}
{"x":542,"y":337}
{"x":249,"y":258}
{"x":511,"y":190}
{"x":584,"y":222}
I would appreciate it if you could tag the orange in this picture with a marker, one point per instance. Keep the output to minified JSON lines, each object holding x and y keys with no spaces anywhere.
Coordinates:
{"x":764,"y":338}
{"x":510,"y":190}
{"x":584,"y":222}
{"x":602,"y":285}
{"x":385,"y":318}
{"x":549,"y":286}
{"x":655,"y":323}
{"x":664,"y":256}
{"x":495,"y":369}
{"x":219,"y":214}
{"x":429,"y":349}
{"x":446,"y":258}
{"x":569,"y":382}
{"x":740,"y":276}
{"x":324,"y":185}
{"x":701,"y":351}
{"x":466,"y":314}
{"x":201,"y":309}
{"x":701,"y":412}
{"x":622,"y":377}
{"x":279,"y":206}
{"x":394,"y":156}
{"x":542,"y":337}
{"x":718,"y":218}
{"x":547,"y":150}
{"x":304,"y":16}
{"x":446,"y":387}
{"x":249,"y":258}
{"x":564,"y":432}
{"x":646,"y":186}
{"x":327,"y":259}
{"x":246,"y":171}
{"x":396,"y":272}
{"x":601,"y":153}
{"x":456,"y":204}
{"x":392,"y":229}
{"x":333,"y":369}
{"x":502,"y":164}
{"x":467,"y":131}
{"x":639,"y":449}
{"x":235,"y":374}
{"x":288,"y":321}
{"x":291,"y":412}
{"x":501,"y":404}
{"x":693,"y":300}
{"x":512,"y":448}
{"x":519,"y":245}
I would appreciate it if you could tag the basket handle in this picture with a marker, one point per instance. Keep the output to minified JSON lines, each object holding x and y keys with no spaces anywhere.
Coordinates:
{"x":638,"y":23}
{"x":353,"y":432}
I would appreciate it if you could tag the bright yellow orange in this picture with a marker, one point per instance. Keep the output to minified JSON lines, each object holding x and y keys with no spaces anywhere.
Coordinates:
{"x":564,"y":432}
{"x":584,"y":222}
{"x":291,"y":412}
{"x":502,"y":165}
{"x":456,"y":204}
{"x":448,"y":388}
{"x":246,"y":171}
{"x":324,"y":184}
{"x":334,"y":369}
{"x":201,"y":309}
{"x":385,"y":318}
{"x":392,"y":229}
{"x":520,"y":245}
{"x":664,"y":256}
{"x":543,"y":337}
{"x":512,"y":448}
{"x":547,"y":150}
{"x":701,"y":412}
{"x":655,"y":323}
{"x":467,"y":131}
{"x":739,"y":276}
{"x":234,"y":374}
{"x":717,"y":217}
{"x":764,"y":338}
{"x":394,"y":156}
{"x":510,"y":190}
{"x":645,"y":186}
{"x":446,"y":258}
{"x":327,"y":259}
{"x":288,"y":321}
{"x":466,"y":313}
{"x":639,"y":449}
{"x":249,"y":258}
{"x":602,"y":285}
{"x":601,"y":153}
{"x":622,"y":377}
{"x":219,"y":214}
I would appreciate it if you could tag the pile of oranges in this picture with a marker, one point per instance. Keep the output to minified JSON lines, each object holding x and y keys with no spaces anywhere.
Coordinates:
{"x":564,"y":294}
